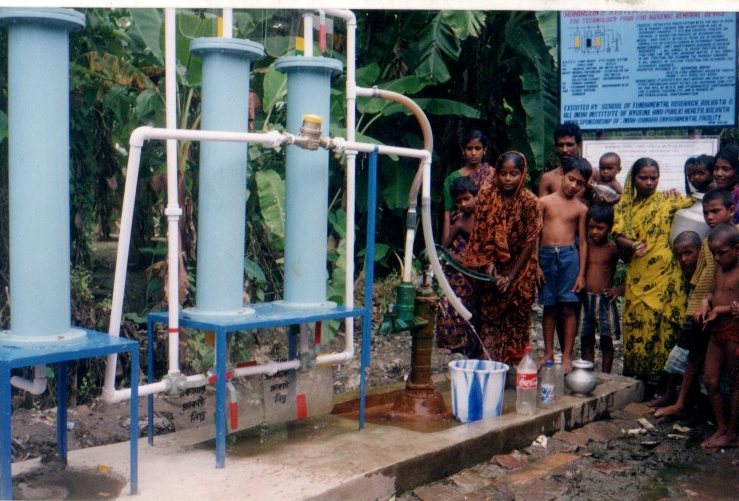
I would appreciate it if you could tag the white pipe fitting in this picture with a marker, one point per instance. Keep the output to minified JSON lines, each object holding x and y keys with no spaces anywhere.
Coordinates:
{"x":35,"y":386}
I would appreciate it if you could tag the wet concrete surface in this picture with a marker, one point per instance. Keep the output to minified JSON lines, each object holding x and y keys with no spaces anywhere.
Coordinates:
{"x":68,"y":483}
{"x":627,"y":457}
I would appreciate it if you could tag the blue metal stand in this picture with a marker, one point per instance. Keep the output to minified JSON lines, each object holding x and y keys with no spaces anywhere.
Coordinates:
{"x":94,"y":344}
{"x":272,"y":315}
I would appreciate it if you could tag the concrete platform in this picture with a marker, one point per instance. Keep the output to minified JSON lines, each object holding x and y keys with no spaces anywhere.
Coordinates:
{"x":327,"y":458}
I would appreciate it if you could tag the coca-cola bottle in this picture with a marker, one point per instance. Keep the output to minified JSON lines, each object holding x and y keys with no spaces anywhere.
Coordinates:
{"x":526,"y":383}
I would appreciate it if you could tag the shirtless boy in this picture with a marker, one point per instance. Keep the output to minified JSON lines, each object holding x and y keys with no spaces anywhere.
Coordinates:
{"x":598,"y":309}
{"x":716,"y":313}
{"x":562,"y":256}
{"x":464,"y":193}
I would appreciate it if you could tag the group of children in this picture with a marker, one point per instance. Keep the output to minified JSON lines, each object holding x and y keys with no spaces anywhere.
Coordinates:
{"x":683,"y":294}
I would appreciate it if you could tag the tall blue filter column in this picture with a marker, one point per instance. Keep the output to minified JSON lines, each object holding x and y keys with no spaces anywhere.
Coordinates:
{"x":223,"y":170}
{"x":306,"y":182}
{"x":38,"y":177}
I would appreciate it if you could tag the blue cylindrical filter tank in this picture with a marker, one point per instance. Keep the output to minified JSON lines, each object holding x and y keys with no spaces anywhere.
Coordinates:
{"x":306,"y":182}
{"x":223,"y":170}
{"x":38,"y":175}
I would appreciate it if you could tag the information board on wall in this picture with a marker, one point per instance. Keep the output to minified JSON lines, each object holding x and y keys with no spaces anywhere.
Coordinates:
{"x":670,"y":154}
{"x":638,"y":70}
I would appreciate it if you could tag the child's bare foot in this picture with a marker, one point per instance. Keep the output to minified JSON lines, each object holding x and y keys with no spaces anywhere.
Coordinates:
{"x":660,"y":400}
{"x":566,"y":365}
{"x":670,"y":410}
{"x":712,"y":441}
{"x":727,"y":439}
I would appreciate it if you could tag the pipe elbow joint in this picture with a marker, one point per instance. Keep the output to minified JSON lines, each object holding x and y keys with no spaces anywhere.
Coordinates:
{"x":139,"y":135}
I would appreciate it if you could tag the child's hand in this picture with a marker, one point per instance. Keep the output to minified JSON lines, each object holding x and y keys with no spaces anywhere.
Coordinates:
{"x":712,"y":315}
{"x":612,"y":293}
{"x":579,"y":284}
{"x":502,"y":283}
{"x":490,"y":270}
{"x":640,"y":248}
{"x":734,"y":308}
{"x":540,"y":280}
{"x":702,"y":314}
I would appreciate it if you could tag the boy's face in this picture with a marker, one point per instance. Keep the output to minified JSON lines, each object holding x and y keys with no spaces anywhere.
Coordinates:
{"x":715,"y":213}
{"x":572,"y":183}
{"x":725,"y":255}
{"x":465,"y":202}
{"x":598,"y":232}
{"x":724,"y":174}
{"x":699,"y":176}
{"x":687,"y":256}
{"x":565,"y":146}
{"x":608,"y":166}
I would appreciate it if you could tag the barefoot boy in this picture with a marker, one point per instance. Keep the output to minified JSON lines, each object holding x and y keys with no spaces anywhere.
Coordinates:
{"x":464,"y":192}
{"x":562,"y":256}
{"x":598,"y":308}
{"x":687,"y":249}
{"x":718,"y":208}
{"x":722,"y":348}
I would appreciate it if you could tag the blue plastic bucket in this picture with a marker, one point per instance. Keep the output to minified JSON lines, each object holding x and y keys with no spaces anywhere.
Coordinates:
{"x":477,"y":389}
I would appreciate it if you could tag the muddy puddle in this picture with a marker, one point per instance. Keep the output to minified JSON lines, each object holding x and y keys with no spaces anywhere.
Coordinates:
{"x":68,"y":483}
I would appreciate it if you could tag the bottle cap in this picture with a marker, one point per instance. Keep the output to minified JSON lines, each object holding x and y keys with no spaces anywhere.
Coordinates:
{"x":548,"y":363}
{"x":527,"y":349}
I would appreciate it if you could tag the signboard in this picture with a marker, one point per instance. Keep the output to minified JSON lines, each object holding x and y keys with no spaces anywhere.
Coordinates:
{"x":670,"y":154}
{"x":639,"y":70}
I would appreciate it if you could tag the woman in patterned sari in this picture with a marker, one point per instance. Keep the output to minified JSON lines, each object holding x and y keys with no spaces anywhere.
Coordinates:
{"x":503,"y":244}
{"x":654,"y":301}
{"x":452,"y":331}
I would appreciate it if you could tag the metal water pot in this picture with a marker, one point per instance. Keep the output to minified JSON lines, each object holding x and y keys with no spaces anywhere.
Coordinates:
{"x":690,"y":219}
{"x":581,"y":380}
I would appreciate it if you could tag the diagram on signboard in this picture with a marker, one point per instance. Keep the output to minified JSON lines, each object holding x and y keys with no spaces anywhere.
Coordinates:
{"x":596,"y":39}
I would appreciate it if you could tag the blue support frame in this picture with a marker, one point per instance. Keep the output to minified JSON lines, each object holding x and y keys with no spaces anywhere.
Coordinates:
{"x":94,"y":344}
{"x":273,"y":315}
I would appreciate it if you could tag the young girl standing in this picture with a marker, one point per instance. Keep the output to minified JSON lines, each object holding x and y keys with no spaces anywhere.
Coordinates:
{"x":503,"y":244}
{"x":726,"y":173}
{"x":452,"y":331}
{"x":654,"y":301}
{"x":474,"y":148}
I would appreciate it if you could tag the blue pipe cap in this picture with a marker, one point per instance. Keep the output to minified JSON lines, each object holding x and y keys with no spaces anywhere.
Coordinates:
{"x":233,"y":46}
{"x":285,"y":64}
{"x":62,"y":18}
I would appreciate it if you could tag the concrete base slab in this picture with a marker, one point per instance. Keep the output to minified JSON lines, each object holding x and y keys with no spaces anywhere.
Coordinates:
{"x":326,"y":457}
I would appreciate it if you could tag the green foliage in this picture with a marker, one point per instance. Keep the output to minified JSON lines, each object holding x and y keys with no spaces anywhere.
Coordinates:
{"x":271,"y":193}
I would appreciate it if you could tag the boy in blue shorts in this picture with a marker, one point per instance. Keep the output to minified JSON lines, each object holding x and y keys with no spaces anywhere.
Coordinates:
{"x":562,"y":256}
{"x":598,"y":309}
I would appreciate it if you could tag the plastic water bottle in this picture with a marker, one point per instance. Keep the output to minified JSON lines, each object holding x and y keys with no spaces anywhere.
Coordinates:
{"x":559,"y":378}
{"x":547,"y":388}
{"x":526,"y":382}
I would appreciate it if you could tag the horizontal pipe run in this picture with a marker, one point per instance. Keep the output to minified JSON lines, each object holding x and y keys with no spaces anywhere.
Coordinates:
{"x":115,"y":396}
{"x":271,"y":138}
{"x":268,"y":368}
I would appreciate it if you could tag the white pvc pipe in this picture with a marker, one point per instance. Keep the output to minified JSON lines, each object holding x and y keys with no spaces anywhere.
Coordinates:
{"x":173,"y":210}
{"x":273,"y":139}
{"x":351,"y":162}
{"x":35,"y":386}
{"x":410,"y":237}
{"x":228,"y":23}
{"x":308,"y":35}
{"x":268,"y":368}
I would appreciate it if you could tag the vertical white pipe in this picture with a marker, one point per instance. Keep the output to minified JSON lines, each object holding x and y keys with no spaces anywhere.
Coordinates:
{"x":121,"y":261}
{"x":173,"y":210}
{"x":228,"y":23}
{"x":308,"y":35}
